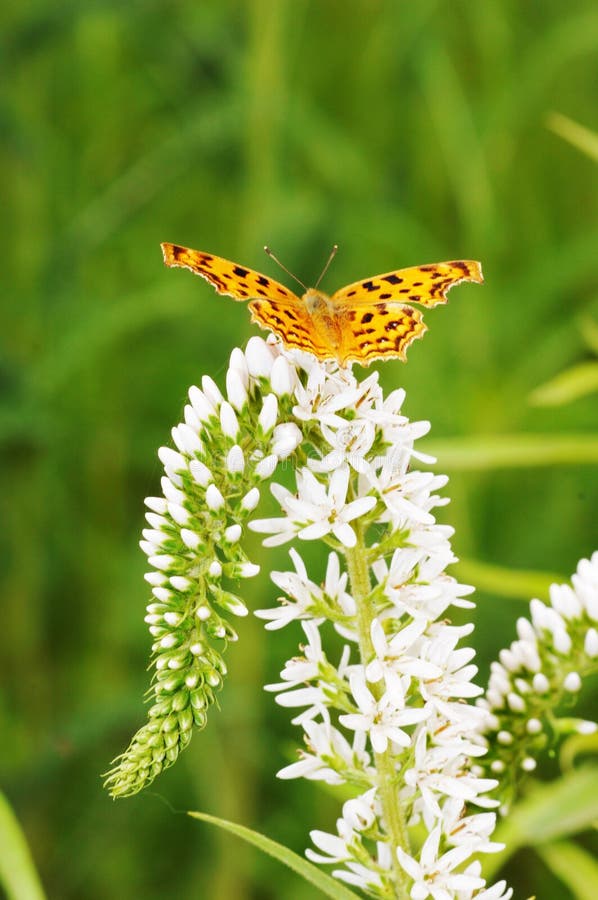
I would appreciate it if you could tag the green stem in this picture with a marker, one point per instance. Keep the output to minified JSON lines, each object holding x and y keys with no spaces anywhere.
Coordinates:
{"x":394,"y":820}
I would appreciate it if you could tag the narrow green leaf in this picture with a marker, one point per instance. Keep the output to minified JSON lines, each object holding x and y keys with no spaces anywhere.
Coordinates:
{"x":329,"y":886}
{"x":508,"y":451}
{"x":571,"y":131}
{"x":550,"y":811}
{"x":589,"y":332}
{"x":574,"y":866}
{"x":567,"y":386}
{"x":521,"y":584}
{"x":18,"y":875}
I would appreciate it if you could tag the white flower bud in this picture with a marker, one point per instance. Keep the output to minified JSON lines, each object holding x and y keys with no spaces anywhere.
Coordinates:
{"x":237,"y":361}
{"x":515,"y":702}
{"x":497,"y":766}
{"x":533,"y":726}
{"x":180,"y":515}
{"x":154,"y":536}
{"x":168,"y":641}
{"x":148,"y":547}
{"x":157,"y":504}
{"x":156,"y":521}
{"x":172,"y":618}
{"x":268,"y":413}
{"x":591,"y":643}
{"x":155,"y":578}
{"x":587,"y":727}
{"x":200,"y":473}
{"x":246,"y":570}
{"x":203,"y":613}
{"x":215,"y":569}
{"x":504,"y":737}
{"x":528,"y":764}
{"x":187,"y":440}
{"x":562,"y":641}
{"x":190,"y":538}
{"x":235,"y":461}
{"x":161,"y":561}
{"x":235,"y":389}
{"x":228,"y":420}
{"x":214,"y":498}
{"x":282,"y":378}
{"x":572,"y":683}
{"x":285,"y":439}
{"x":266,"y":467}
{"x":171,"y":492}
{"x":233,"y":533}
{"x":201,"y":404}
{"x":212,"y":391}
{"x":541,"y":683}
{"x":172,"y":461}
{"x":192,"y":419}
{"x":179,"y":582}
{"x":251,"y":499}
{"x":162,"y":594}
{"x":259,"y":358}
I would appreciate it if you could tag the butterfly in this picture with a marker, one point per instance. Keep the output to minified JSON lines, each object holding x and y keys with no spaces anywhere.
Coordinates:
{"x":367,"y":320}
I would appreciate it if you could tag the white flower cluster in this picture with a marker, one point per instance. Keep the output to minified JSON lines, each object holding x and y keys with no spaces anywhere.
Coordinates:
{"x":391,"y":718}
{"x":556,"y":648}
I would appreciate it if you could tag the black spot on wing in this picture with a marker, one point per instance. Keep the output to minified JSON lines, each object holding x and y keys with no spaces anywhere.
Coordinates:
{"x":242,"y":273}
{"x":367,"y":317}
{"x":370,"y":286}
{"x":392,"y":279}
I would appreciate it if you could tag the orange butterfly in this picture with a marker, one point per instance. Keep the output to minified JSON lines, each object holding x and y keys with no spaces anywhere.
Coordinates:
{"x":367,"y":320}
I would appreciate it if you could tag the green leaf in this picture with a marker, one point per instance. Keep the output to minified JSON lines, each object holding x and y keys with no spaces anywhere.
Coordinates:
{"x":329,"y":886}
{"x":18,"y":875}
{"x":589,"y":332}
{"x":571,"y":131}
{"x":521,"y":584}
{"x":550,"y":811}
{"x":574,"y":866}
{"x":567,"y":386}
{"x":508,"y":451}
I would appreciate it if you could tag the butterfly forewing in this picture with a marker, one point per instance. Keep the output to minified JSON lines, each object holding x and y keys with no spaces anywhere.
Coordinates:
{"x":426,"y":285}
{"x":228,"y":277}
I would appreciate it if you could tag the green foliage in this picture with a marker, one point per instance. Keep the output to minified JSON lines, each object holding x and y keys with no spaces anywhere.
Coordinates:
{"x":406,"y":132}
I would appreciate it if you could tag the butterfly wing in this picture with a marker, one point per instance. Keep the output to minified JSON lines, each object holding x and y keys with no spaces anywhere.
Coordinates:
{"x":292,"y":323}
{"x":228,"y":277}
{"x":378,"y":331}
{"x":426,"y":285}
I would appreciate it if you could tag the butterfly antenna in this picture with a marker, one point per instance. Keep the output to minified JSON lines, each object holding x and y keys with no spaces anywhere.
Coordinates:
{"x":284,"y":268}
{"x":325,"y":269}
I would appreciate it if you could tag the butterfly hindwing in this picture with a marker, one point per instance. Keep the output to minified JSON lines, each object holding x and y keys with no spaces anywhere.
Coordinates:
{"x":378,"y":330}
{"x":227,"y":277}
{"x":291,"y":323}
{"x":426,"y":285}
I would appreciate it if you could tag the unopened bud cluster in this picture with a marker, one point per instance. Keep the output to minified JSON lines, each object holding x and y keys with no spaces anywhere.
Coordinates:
{"x":225,"y":448}
{"x":538,"y":676}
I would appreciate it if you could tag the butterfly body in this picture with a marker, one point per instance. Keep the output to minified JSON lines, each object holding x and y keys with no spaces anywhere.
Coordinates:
{"x":367,"y":320}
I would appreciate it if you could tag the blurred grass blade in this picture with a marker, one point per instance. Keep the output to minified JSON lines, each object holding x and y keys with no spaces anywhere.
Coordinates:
{"x":520,"y":584}
{"x":509,"y":451}
{"x":551,"y":811}
{"x":574,"y":866}
{"x":589,"y":332}
{"x":330,"y":887}
{"x":567,"y":386}
{"x":574,"y":133}
{"x":18,"y":876}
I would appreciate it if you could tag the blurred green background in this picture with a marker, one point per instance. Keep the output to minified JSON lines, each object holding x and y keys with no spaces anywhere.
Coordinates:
{"x":408,"y":133}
